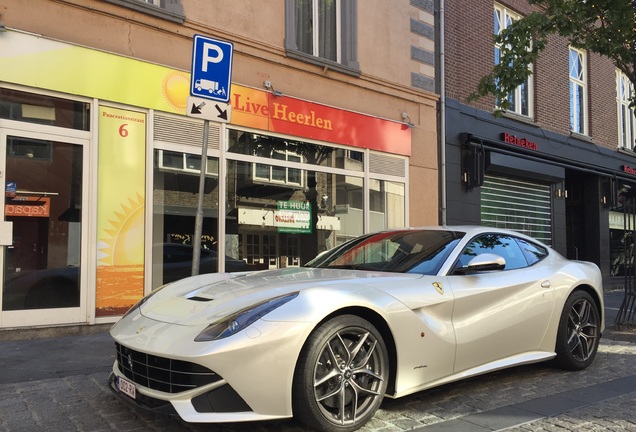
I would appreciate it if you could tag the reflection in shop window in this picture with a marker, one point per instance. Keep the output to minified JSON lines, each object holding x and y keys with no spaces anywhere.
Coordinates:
{"x":175,"y":199}
{"x":277,"y":174}
{"x":186,"y":162}
{"x":279,"y":224}
{"x":252,"y":144}
{"x":386,"y":202}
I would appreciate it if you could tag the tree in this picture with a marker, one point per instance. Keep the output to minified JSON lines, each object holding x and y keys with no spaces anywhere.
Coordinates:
{"x":605,"y":27}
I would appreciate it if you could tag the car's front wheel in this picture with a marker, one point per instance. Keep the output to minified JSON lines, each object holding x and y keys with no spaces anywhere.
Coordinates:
{"x":579,"y":332}
{"x":341,"y":376}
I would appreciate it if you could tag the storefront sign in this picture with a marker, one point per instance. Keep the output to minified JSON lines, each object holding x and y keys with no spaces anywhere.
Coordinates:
{"x":263,"y":110}
{"x":138,"y":83}
{"x":519,"y":142}
{"x":293,"y":217}
{"x":628,"y":170}
{"x":31,"y":206}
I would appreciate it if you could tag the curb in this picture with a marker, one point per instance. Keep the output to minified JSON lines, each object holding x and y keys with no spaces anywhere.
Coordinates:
{"x":52,"y":332}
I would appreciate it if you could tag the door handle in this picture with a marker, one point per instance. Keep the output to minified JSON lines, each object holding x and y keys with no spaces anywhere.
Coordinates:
{"x":546,"y":284}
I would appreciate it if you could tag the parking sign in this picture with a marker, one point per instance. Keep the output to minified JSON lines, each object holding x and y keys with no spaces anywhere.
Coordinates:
{"x":211,"y":74}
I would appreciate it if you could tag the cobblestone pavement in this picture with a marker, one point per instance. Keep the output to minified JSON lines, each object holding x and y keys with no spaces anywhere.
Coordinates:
{"x":84,"y":402}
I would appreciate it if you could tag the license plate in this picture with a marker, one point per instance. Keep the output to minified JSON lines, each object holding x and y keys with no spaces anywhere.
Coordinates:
{"x":126,"y":387}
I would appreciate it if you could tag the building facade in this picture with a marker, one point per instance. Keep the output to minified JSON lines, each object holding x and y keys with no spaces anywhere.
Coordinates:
{"x":325,"y":135}
{"x":559,"y":164}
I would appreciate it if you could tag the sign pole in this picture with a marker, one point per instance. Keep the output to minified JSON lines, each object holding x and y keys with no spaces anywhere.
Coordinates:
{"x":210,"y":81}
{"x":198,"y":223}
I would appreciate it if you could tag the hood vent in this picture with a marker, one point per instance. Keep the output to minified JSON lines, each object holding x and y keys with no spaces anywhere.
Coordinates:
{"x":200,"y":299}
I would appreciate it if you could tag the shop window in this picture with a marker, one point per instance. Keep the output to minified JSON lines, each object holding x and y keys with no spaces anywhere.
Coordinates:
{"x":386,"y":204}
{"x":273,"y":220}
{"x":626,"y":119}
{"x":323,"y":32}
{"x":520,"y":99}
{"x":46,"y":110}
{"x":175,"y":203}
{"x":578,"y":91}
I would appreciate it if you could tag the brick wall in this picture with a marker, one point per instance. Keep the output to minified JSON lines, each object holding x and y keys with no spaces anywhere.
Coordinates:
{"x":469,"y":53}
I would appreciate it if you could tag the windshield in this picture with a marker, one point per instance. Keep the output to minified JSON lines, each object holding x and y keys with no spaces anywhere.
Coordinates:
{"x":405,"y":251}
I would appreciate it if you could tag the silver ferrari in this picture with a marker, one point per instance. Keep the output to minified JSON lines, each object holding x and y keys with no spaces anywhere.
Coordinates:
{"x":384,"y":315}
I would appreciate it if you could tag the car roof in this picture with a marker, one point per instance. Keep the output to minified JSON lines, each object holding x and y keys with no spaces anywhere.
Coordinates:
{"x":471,"y":230}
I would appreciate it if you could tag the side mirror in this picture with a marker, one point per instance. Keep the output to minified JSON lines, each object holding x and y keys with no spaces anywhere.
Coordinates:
{"x":485,"y":262}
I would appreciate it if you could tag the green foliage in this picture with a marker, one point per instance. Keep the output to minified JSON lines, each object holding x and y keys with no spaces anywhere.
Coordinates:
{"x":605,"y":27}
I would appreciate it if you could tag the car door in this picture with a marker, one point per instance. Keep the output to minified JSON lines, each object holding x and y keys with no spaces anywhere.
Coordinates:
{"x":499,"y":314}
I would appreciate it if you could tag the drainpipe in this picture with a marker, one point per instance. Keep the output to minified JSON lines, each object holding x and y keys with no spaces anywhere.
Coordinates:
{"x":442,"y":114}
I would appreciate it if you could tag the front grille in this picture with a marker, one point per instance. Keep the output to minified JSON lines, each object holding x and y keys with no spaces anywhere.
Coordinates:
{"x":161,"y":373}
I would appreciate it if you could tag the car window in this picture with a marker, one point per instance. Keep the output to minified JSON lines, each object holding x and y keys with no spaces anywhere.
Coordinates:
{"x":502,"y":245}
{"x":533,"y":252}
{"x":412,"y":251}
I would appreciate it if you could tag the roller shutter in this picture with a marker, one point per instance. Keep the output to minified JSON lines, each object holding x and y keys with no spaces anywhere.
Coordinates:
{"x":519,"y":205}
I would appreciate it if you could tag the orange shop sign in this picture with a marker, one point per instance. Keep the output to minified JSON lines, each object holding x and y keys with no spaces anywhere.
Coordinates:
{"x":287,"y":115}
{"x":29,"y":206}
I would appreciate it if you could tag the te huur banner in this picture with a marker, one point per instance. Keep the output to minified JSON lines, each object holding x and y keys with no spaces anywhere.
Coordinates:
{"x":120,"y":210}
{"x":293,"y":217}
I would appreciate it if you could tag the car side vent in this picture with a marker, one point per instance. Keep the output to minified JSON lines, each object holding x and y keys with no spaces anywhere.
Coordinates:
{"x":200,"y":299}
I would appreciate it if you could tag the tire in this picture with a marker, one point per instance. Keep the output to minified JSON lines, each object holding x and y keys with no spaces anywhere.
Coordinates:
{"x":341,"y":376}
{"x":579,"y":332}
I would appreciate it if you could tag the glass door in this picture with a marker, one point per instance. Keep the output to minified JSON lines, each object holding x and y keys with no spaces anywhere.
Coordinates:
{"x":41,"y":230}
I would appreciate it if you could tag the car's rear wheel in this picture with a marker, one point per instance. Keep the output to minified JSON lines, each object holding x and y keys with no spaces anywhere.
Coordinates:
{"x":579,"y":332}
{"x":341,"y":376}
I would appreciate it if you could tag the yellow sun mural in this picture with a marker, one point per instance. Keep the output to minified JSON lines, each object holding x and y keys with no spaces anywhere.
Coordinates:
{"x":124,"y":245}
{"x":120,"y":210}
{"x":176,"y":88}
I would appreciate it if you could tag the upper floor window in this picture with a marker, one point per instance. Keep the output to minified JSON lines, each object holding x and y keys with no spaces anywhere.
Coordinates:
{"x":578,"y":91}
{"x":323,"y":32}
{"x":626,"y":119}
{"x":171,"y":10}
{"x":520,"y":99}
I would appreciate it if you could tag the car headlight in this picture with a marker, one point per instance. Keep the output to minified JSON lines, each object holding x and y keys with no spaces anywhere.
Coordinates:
{"x":240,"y":320}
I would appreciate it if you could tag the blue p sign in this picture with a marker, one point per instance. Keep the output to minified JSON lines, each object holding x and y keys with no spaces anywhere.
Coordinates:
{"x":211,"y":76}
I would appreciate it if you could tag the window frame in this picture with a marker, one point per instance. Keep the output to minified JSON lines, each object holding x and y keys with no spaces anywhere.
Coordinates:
{"x":580,"y":82}
{"x":347,"y":39}
{"x":169,"y":10}
{"x":505,"y":15}
{"x":626,"y":130}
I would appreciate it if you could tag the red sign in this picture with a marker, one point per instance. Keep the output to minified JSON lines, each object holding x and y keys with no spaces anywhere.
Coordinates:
{"x":286,"y":115}
{"x":629,"y":170}
{"x":519,"y":142}
{"x":29,"y":206}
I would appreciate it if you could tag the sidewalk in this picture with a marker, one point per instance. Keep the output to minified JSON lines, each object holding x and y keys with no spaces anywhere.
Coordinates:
{"x":32,"y":355}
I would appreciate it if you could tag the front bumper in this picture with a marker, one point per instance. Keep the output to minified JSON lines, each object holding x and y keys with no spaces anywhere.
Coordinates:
{"x":142,"y":401}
